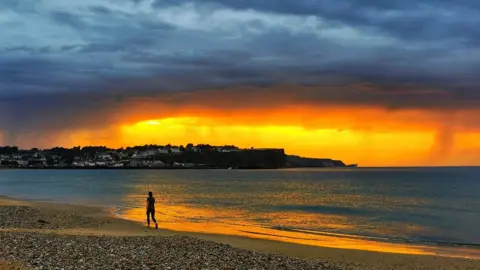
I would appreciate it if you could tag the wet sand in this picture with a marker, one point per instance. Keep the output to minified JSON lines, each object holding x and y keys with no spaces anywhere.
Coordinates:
{"x":9,"y":265}
{"x":93,"y":237}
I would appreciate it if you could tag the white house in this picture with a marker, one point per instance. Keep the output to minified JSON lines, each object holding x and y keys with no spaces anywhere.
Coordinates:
{"x":105,"y":157}
{"x":78,"y":164}
{"x":175,"y":150}
{"x":141,"y":155}
{"x":223,"y":150}
{"x":163,"y":151}
{"x":158,"y":164}
{"x":23,"y":163}
{"x":144,"y":154}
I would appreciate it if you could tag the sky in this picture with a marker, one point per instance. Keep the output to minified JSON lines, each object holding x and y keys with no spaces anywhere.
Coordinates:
{"x":379,"y":83}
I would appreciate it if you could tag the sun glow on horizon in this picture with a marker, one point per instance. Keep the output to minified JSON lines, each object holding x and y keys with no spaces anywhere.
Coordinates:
{"x":150,"y":122}
{"x":352,"y":146}
{"x":369,"y":137}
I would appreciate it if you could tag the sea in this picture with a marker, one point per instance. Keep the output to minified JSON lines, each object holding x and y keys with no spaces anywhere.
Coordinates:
{"x":399,"y":210}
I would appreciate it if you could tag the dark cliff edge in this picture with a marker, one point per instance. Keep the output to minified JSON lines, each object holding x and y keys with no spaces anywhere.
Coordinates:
{"x":251,"y":159}
{"x":302,"y":162}
{"x":246,"y":159}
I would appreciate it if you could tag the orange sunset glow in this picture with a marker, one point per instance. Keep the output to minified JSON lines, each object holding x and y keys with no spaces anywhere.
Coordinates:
{"x":368,"y":136}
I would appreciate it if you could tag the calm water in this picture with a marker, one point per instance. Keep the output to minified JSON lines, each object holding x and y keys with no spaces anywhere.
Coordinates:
{"x":373,"y":209}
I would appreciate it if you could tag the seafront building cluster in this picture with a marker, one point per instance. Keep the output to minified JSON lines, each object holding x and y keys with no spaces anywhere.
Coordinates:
{"x":149,"y":156}
{"x":201,"y":156}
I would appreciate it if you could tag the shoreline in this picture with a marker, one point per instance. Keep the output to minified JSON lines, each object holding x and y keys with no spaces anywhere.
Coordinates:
{"x":116,"y":227}
{"x":105,"y":212}
{"x":319,"y":239}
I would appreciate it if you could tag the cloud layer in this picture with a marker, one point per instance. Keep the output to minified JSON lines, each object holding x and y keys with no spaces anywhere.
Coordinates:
{"x":60,"y":60}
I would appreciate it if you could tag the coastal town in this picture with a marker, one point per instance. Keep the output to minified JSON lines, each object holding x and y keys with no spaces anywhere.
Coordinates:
{"x":156,"y":157}
{"x":149,"y":156}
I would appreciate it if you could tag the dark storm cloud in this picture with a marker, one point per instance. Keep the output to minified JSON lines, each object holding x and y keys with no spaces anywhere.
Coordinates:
{"x":67,"y":18}
{"x":100,"y":10}
{"x":74,"y":54}
{"x":407,"y":19}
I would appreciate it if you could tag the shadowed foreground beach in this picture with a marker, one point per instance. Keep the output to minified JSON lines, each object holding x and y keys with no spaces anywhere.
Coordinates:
{"x":36,"y":235}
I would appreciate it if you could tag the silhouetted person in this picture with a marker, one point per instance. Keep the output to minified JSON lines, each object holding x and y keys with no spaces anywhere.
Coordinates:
{"x":151,"y":209}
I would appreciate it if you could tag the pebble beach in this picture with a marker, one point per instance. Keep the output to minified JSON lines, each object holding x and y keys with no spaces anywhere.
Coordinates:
{"x":37,"y":250}
{"x":39,"y":237}
{"x":43,"y":251}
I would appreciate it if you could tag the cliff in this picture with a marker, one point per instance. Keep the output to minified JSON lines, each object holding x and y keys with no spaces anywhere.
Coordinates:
{"x":244,"y":159}
{"x":301,"y":162}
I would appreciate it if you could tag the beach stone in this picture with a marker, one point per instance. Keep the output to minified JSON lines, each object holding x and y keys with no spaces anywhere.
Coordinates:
{"x":54,"y":251}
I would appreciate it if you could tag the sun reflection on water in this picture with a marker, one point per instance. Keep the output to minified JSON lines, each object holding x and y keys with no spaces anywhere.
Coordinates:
{"x":327,"y":213}
{"x":229,"y":222}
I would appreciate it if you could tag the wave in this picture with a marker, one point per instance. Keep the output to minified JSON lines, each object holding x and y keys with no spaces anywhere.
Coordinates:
{"x":373,"y":238}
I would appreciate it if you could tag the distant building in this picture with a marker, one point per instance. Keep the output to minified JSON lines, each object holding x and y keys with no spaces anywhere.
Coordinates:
{"x":163,"y":151}
{"x":144,"y":154}
{"x":175,"y":150}
{"x":90,"y":164}
{"x":78,"y":164}
{"x":196,"y":149}
{"x":158,"y":164}
{"x":23,"y":163}
{"x":104,"y":157}
{"x":228,"y":150}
